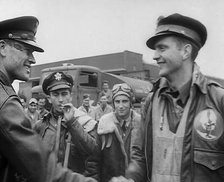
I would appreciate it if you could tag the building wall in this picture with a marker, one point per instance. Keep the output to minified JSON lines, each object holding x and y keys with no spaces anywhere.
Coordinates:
{"x":121,"y":62}
{"x":125,"y":63}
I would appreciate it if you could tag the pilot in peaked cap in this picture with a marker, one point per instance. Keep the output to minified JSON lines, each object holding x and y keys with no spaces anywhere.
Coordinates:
{"x":182,"y":26}
{"x":21,"y":29}
{"x":56,"y":81}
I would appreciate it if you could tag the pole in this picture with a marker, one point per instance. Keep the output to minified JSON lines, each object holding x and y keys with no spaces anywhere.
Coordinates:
{"x":58,"y":136}
{"x":67,"y":150}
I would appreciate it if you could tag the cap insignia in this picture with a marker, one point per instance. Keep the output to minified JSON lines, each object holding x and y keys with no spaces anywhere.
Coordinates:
{"x":57,"y":76}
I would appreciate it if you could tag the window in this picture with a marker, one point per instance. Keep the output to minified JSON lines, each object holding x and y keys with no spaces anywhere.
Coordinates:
{"x":88,"y":79}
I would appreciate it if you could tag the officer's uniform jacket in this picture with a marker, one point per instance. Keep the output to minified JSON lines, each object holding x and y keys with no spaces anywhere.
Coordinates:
{"x":115,"y":148}
{"x":21,"y":151}
{"x":203,"y":143}
{"x":83,"y":140}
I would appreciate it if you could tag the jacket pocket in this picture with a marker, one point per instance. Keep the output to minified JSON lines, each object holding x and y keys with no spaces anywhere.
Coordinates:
{"x":211,"y":159}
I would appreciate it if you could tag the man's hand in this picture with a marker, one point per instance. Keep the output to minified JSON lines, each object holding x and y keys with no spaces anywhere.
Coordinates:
{"x":120,"y":179}
{"x":69,"y":111}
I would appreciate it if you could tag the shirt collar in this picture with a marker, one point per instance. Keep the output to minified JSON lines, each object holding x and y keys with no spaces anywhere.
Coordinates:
{"x":184,"y":92}
{"x":198,"y":79}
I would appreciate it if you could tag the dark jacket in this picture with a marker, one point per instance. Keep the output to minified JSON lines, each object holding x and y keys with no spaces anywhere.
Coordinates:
{"x":83,"y":140}
{"x":115,"y":150}
{"x":203,"y":145}
{"x":21,"y":150}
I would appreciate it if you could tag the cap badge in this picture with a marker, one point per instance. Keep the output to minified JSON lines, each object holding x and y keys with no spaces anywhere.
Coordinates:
{"x":57,"y":76}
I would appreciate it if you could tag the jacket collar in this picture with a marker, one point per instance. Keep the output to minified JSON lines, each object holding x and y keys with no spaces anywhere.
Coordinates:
{"x":4,"y":79}
{"x":48,"y":116}
{"x":198,"y":80}
{"x":109,"y":124}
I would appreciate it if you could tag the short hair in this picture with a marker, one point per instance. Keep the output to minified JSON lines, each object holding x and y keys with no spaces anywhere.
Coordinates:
{"x":105,"y":81}
{"x":85,"y":96}
{"x":183,"y":41}
{"x":41,"y":96}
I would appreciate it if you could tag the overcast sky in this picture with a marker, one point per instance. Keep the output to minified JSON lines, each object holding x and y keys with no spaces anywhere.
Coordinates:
{"x":81,"y":28}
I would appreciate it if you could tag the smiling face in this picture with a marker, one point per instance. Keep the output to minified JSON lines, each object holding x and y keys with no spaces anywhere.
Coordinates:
{"x":86,"y":102}
{"x":122,"y":106}
{"x":105,"y":87}
{"x":60,"y":97}
{"x":32,"y":107}
{"x":17,"y":60}
{"x":169,"y":56}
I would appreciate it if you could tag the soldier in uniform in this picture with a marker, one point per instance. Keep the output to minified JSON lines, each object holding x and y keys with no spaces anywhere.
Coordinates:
{"x":77,"y":138}
{"x":31,"y":111}
{"x":22,"y":152}
{"x":102,"y":109}
{"x":86,"y":107}
{"x":183,"y":127}
{"x":106,"y":91}
{"x":116,"y":131}
{"x":41,"y":105}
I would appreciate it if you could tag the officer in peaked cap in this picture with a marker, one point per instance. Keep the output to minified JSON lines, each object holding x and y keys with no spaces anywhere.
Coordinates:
{"x":75,"y":124}
{"x":185,"y":106}
{"x":55,"y":81}
{"x":21,"y":29}
{"x":23,"y":156}
{"x":182,"y":26}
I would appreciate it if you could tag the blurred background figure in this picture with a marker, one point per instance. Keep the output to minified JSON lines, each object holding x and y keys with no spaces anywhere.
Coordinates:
{"x":31,"y":111}
{"x":41,"y":106}
{"x":23,"y":101}
{"x":106,"y":91}
{"x":102,"y":108}
{"x":86,"y":107}
{"x":142,"y":104}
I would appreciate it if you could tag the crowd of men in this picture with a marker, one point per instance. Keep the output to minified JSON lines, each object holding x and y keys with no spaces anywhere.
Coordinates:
{"x":97,"y":143}
{"x":179,"y":136}
{"x":36,"y":108}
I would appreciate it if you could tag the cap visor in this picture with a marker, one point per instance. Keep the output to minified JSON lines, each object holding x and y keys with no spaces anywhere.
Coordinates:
{"x":152,"y":41}
{"x":32,"y":44}
{"x":57,"y":87}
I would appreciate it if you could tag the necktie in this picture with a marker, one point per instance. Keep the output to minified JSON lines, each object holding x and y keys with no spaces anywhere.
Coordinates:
{"x":124,"y":126}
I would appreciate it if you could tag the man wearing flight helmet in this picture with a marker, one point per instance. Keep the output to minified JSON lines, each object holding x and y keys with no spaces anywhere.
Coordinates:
{"x":117,"y":131}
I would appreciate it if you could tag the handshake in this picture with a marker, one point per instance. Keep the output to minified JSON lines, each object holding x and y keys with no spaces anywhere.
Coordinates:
{"x":121,"y":179}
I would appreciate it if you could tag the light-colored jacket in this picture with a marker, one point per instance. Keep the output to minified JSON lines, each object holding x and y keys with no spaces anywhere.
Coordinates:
{"x":116,"y":152}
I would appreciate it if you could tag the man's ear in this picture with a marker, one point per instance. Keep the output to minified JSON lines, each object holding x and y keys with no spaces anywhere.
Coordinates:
{"x":2,"y":47}
{"x":187,"y":50}
{"x":49,"y":99}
